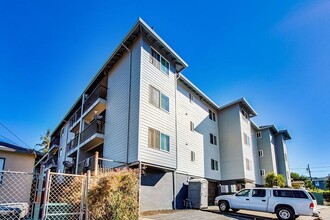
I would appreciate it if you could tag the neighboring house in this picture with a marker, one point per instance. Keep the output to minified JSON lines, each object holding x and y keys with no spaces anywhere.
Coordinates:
{"x":140,"y":110}
{"x":20,"y":161}
{"x":320,"y":182}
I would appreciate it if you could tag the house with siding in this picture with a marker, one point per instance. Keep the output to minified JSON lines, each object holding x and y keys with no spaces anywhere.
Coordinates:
{"x":141,"y":111}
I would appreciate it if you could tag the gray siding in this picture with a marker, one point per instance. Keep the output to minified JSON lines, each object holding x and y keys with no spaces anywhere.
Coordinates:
{"x":230,"y":139}
{"x":255,"y":162}
{"x":116,"y":126}
{"x":153,"y":117}
{"x":281,"y":159}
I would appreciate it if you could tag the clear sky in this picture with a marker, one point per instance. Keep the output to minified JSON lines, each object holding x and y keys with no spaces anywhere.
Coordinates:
{"x":274,"y":53}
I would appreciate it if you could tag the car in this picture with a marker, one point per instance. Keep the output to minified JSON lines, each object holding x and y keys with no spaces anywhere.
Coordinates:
{"x":286,"y":203}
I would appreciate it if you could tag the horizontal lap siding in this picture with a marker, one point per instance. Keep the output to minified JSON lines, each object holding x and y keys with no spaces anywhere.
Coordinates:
{"x":151,"y":116}
{"x":116,"y":126}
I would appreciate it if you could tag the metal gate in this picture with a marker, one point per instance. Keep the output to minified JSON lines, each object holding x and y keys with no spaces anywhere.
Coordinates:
{"x":64,"y":196}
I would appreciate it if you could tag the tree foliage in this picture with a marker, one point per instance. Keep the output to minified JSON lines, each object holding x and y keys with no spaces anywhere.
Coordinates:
{"x":327,"y":183}
{"x":298,"y":177}
{"x":274,"y":180}
{"x":45,"y":141}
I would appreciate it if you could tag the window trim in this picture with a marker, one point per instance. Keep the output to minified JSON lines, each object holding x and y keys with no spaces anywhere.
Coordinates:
{"x":258,"y":134}
{"x":192,"y":126}
{"x":247,"y":139}
{"x":262,"y":172}
{"x":160,"y":142}
{"x":191,"y":97}
{"x":192,"y":156}
{"x":160,"y":61}
{"x":212,"y":115}
{"x":261,"y":153}
{"x":248,"y":164}
{"x":213,"y":139}
{"x":214,"y":164}
{"x":2,"y":169}
{"x":159,"y":99}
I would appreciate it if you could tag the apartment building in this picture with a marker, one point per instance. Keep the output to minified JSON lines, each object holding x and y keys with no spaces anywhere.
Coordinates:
{"x":141,"y":111}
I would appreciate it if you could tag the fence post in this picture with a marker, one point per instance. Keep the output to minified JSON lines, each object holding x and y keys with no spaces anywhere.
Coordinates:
{"x":36,"y":210}
{"x":87,"y":191}
{"x":96,"y":163}
{"x":44,"y":202}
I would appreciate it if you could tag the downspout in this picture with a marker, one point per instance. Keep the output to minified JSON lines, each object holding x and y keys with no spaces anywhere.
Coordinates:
{"x":129,"y":102}
{"x":176,"y":142}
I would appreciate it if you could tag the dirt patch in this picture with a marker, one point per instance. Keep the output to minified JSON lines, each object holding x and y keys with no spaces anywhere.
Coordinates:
{"x":148,"y":213}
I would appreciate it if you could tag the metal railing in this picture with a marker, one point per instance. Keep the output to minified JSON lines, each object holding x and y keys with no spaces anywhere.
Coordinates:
{"x":51,"y":162}
{"x":97,"y":126}
{"x":75,"y":117}
{"x":99,"y":92}
{"x":73,"y":143}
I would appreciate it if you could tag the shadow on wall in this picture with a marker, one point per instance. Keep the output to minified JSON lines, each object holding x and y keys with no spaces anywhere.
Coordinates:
{"x":151,"y":177}
{"x":181,"y":196}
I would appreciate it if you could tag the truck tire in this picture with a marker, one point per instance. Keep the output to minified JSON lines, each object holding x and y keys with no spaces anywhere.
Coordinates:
{"x":285,"y":213}
{"x":223,"y":206}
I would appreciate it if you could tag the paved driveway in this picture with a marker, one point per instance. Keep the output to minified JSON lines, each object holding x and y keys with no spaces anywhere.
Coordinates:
{"x":213,"y":213}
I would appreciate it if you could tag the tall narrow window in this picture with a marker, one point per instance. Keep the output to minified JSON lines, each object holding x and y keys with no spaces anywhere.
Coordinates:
{"x":212,"y":115}
{"x":262,"y":172}
{"x":248,"y":164}
{"x":164,"y":66}
{"x":214,"y":164}
{"x":192,"y":126}
{"x":165,"y":102}
{"x":160,"y":62}
{"x":191,"y":97}
{"x":261,"y":153}
{"x":192,"y":156}
{"x":2,"y":167}
{"x":259,"y":134}
{"x":246,"y":139}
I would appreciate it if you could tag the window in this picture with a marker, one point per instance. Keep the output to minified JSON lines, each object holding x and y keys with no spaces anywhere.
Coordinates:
{"x":262,"y":172}
{"x":299,"y":194}
{"x":211,"y":115}
{"x":192,"y":126}
{"x":244,"y":192}
{"x":259,"y":134}
{"x":158,"y":140}
{"x":191,"y":97}
{"x":246,"y":139}
{"x":192,"y":156}
{"x":158,"y":99}
{"x":245,"y":116}
{"x":258,"y":193}
{"x":62,"y":131}
{"x":261,"y":153}
{"x":283,"y":193}
{"x":248,"y":164}
{"x":317,"y":183}
{"x":214,"y":164}
{"x":213,"y":139}
{"x":159,"y":62}
{"x":2,"y":167}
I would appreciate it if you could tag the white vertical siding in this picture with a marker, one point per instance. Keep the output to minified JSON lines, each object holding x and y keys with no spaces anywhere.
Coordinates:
{"x":116,"y":126}
{"x":198,"y":140}
{"x":151,"y":116}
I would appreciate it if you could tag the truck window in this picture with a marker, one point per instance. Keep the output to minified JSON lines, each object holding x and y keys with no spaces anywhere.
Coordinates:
{"x":283,"y":193}
{"x":258,"y":193}
{"x":300,"y":195}
{"x":244,"y":192}
{"x":313,"y":197}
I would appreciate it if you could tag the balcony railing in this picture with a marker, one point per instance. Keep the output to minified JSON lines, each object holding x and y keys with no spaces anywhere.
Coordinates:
{"x":75,"y":117}
{"x":51,"y":162}
{"x":97,"y":126}
{"x":99,"y":92}
{"x":73,"y":143}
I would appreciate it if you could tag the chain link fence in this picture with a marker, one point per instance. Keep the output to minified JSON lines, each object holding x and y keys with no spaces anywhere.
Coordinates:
{"x":17,"y":195}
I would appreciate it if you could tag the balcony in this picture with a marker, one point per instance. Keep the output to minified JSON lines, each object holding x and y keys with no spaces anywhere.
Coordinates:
{"x":74,"y":120}
{"x":54,"y":146}
{"x":92,"y":135}
{"x":72,"y":145}
{"x":51,"y":163}
{"x":95,"y":102}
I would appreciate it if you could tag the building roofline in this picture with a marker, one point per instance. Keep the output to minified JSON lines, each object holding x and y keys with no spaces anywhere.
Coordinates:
{"x":127,"y":41}
{"x":254,"y":125}
{"x":244,"y":104}
{"x":4,"y":146}
{"x":197,"y":91}
{"x":285,"y":134}
{"x":270,"y":127}
{"x":273,"y":128}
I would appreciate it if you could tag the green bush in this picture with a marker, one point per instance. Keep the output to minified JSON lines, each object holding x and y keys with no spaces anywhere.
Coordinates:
{"x":114,"y":195}
{"x":274,"y":180}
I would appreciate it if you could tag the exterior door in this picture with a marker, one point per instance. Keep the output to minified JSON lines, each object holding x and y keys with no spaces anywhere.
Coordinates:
{"x":241,"y":200}
{"x":258,"y":199}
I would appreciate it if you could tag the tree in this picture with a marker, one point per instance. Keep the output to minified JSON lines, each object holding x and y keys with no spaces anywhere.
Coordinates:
{"x":45,"y":141}
{"x":274,"y":180}
{"x":327,"y":183}
{"x":297,"y":177}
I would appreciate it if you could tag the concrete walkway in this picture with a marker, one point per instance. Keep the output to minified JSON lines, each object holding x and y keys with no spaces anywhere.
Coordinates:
{"x":213,"y":213}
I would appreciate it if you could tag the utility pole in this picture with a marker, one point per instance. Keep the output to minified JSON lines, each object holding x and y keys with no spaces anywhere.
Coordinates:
{"x":309,"y":171}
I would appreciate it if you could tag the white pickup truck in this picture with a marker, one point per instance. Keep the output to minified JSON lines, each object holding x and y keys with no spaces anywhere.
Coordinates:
{"x":286,"y":203}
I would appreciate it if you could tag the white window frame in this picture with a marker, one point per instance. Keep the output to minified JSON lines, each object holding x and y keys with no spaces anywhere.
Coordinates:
{"x":247,"y":139}
{"x":192,"y":126}
{"x":214,"y":164}
{"x":192,"y":156}
{"x":159,"y":141}
{"x":259,"y":134}
{"x":261,"y":153}
{"x":2,"y":168}
{"x":248,"y":164}
{"x":191,"y":97}
{"x":262,"y":172}
{"x":160,"y":61}
{"x":160,"y":102}
{"x":245,"y":115}
{"x":212,"y":115}
{"x":213,"y":139}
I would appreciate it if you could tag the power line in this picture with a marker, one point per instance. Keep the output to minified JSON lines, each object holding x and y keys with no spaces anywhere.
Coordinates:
{"x":14,"y":134}
{"x":8,"y":139}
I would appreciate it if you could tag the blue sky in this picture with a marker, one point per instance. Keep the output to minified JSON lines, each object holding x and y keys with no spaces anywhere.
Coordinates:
{"x":274,"y":53}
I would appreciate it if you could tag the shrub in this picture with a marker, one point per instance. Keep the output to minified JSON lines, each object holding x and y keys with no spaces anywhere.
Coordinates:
{"x":114,"y":195}
{"x":274,"y":180}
